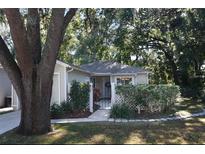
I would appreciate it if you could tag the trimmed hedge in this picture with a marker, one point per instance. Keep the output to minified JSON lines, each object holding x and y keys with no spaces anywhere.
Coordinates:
{"x":150,"y":98}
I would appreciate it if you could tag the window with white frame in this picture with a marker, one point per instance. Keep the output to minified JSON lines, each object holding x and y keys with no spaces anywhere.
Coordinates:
{"x":124,"y":80}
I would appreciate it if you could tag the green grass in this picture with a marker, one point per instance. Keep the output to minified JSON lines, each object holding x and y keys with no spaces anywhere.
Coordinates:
{"x":189,"y":105}
{"x":173,"y":132}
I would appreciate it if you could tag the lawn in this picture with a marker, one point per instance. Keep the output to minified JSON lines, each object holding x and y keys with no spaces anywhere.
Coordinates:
{"x":174,"y":132}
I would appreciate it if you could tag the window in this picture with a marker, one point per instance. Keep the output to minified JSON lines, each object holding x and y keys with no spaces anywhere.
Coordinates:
{"x":124,"y":80}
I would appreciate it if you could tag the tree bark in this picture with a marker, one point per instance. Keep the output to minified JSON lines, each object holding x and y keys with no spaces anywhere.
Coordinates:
{"x":35,"y":117}
{"x":173,"y":67}
{"x":32,"y":74}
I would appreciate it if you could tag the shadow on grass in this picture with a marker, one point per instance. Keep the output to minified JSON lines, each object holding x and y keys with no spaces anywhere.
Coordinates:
{"x":174,"y":132}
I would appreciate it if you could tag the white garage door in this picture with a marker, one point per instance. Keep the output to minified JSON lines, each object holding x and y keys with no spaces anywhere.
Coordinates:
{"x":5,"y":86}
{"x":55,"y":98}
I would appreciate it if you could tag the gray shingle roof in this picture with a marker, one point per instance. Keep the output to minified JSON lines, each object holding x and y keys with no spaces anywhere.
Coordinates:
{"x":111,"y":67}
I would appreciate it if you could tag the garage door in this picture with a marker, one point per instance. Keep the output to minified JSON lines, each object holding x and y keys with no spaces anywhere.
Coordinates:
{"x":5,"y":86}
{"x":55,"y":98}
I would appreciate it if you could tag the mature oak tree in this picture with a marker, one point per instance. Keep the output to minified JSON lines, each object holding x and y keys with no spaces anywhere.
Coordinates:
{"x":31,"y":71}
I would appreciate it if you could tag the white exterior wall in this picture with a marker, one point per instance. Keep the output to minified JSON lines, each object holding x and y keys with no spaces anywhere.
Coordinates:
{"x":14,"y":100}
{"x":141,"y":78}
{"x":78,"y":76}
{"x":5,"y":86}
{"x":64,"y":80}
{"x":60,"y":71}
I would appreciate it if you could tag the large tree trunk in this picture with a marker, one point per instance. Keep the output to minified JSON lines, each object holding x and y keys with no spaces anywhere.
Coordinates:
{"x":35,"y":100}
{"x":173,"y":66}
{"x":32,"y":72}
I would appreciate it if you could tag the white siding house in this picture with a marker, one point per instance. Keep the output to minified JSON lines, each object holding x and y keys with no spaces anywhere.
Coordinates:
{"x":107,"y":73}
{"x":64,"y":74}
{"x":102,"y":75}
{"x":5,"y":86}
{"x":78,"y":76}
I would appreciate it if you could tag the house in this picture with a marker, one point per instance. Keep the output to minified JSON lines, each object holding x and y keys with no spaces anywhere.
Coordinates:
{"x":102,"y":74}
{"x":5,"y":86}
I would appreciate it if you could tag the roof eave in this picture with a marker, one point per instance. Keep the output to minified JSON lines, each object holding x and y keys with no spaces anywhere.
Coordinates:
{"x":81,"y":70}
{"x":109,"y":74}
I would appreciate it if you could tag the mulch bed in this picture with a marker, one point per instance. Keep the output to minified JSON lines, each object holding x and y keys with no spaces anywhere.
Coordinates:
{"x":76,"y":114}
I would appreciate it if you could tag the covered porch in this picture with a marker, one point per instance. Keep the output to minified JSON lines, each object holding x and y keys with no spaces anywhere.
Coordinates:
{"x":104,"y":88}
{"x":102,"y":84}
{"x":102,"y":91}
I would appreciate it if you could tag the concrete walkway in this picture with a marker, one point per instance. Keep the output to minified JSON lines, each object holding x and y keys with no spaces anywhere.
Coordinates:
{"x":103,"y":115}
{"x":6,"y":109}
{"x":9,"y":121}
{"x":99,"y":115}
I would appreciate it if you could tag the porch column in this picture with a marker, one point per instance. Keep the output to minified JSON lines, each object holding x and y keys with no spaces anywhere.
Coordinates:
{"x":112,"y":93}
{"x":91,"y":98}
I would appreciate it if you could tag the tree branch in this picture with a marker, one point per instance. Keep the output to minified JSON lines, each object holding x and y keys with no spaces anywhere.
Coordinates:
{"x":19,"y":36}
{"x":10,"y":66}
{"x":67,"y":19}
{"x":53,"y":40}
{"x":33,"y":34}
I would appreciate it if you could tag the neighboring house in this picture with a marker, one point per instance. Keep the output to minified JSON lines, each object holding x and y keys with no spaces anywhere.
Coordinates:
{"x":5,"y":86}
{"x":101,"y":74}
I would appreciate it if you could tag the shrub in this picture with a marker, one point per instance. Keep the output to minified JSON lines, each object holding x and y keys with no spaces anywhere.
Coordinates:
{"x":56,"y":110}
{"x":79,"y":94}
{"x":121,"y":111}
{"x":150,"y":98}
{"x":67,"y":106}
{"x":79,"y":97}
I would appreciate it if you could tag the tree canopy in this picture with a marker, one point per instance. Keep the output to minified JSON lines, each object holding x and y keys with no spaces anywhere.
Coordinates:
{"x":169,"y":42}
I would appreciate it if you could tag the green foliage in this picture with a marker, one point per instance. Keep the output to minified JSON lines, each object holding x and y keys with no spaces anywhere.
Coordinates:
{"x":79,"y":97}
{"x":56,"y":110}
{"x":59,"y":110}
{"x":79,"y":94}
{"x":67,"y":106}
{"x":146,"y":97}
{"x":121,"y":111}
{"x":168,"y":42}
{"x":146,"y":94}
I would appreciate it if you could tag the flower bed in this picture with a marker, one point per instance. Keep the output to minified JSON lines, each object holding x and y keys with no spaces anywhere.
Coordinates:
{"x":77,"y":104}
{"x":60,"y":112}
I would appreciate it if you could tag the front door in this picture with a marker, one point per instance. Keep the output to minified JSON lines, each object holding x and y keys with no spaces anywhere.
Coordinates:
{"x":106,"y":88}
